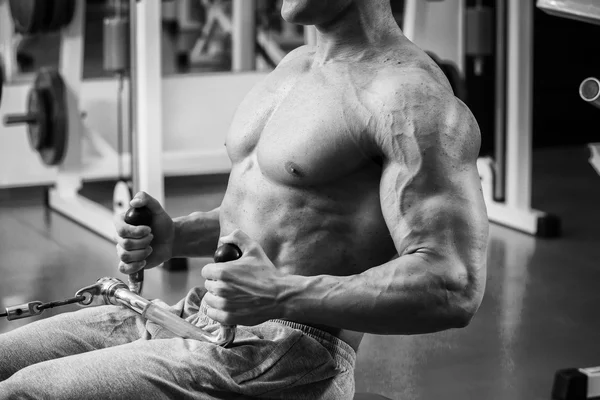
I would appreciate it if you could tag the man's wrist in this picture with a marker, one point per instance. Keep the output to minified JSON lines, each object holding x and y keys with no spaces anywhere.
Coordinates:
{"x":289,"y":299}
{"x":176,"y":250}
{"x":309,"y":299}
{"x":196,"y":235}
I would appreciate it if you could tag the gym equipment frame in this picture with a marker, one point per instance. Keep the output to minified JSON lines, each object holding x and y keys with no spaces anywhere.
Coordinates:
{"x":152,"y":161}
{"x":506,"y":178}
{"x":145,"y":118}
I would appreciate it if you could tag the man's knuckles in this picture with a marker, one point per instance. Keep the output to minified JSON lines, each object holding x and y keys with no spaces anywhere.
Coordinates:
{"x":217,"y":288}
{"x":132,"y":232}
{"x":129,"y":244}
{"x":135,"y":244}
{"x":220,"y":303}
{"x":130,"y":268}
{"x":128,"y":256}
{"x":215,"y":272}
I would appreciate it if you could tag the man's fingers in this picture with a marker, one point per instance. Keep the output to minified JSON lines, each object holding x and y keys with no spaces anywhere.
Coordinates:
{"x":219,"y":309}
{"x":214,"y":301}
{"x":142,"y":199}
{"x":130,"y":268}
{"x":135,"y":244}
{"x":125,"y":230}
{"x":214,"y":272}
{"x":220,"y":316}
{"x":127,"y":256}
{"x":217,"y":288}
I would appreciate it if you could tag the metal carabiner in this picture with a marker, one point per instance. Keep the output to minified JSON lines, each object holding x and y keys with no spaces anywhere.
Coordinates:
{"x":24,"y":310}
{"x":112,"y":291}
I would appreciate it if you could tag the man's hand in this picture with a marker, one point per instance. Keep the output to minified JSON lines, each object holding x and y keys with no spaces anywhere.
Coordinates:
{"x":146,"y":247}
{"x":245,"y":291}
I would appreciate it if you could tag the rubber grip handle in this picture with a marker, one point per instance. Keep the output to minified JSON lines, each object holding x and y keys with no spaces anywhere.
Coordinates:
{"x":227,"y":252}
{"x":137,"y":217}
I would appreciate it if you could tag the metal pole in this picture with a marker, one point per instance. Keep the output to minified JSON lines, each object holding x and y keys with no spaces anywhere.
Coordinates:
{"x":500,"y":106}
{"x":413,"y":9}
{"x":8,"y":47}
{"x":310,"y":35}
{"x":69,"y":179}
{"x":146,"y":97}
{"x":133,"y":82}
{"x":243,"y":36}
{"x":519,"y":104}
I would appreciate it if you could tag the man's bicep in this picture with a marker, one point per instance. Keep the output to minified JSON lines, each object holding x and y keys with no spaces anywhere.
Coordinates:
{"x":431,"y":193}
{"x":432,"y":213}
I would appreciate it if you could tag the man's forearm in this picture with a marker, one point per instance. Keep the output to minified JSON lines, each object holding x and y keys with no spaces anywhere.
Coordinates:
{"x":197,"y":234}
{"x":402,"y":296}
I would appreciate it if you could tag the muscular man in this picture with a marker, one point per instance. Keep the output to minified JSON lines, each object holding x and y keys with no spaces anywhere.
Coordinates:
{"x":356,"y":202}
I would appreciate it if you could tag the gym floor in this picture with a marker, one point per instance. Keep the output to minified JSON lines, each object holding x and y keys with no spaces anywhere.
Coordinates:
{"x":538,"y":315}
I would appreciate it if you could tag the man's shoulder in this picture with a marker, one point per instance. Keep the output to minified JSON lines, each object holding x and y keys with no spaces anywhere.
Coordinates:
{"x":413,"y":101}
{"x":418,"y":82}
{"x":301,"y":53}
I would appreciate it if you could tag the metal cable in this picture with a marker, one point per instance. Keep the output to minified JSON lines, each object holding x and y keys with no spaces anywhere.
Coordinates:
{"x":59,"y":303}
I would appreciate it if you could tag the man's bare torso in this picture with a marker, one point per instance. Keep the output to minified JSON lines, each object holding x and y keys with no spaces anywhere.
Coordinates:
{"x":305,"y":168}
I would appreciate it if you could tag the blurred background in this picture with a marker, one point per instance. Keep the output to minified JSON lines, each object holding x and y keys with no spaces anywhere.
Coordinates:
{"x":563,"y":57}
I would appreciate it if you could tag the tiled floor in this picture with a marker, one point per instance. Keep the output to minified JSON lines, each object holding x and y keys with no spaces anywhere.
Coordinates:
{"x":539,"y":313}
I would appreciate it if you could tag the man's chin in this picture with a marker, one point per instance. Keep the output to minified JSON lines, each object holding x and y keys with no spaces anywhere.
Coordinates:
{"x":296,"y":17}
{"x":294,"y":20}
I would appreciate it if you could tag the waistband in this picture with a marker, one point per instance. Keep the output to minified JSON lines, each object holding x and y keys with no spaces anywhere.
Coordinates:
{"x":336,"y":347}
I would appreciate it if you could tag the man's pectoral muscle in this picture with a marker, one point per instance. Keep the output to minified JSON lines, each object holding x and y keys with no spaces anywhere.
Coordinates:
{"x":433,"y":206}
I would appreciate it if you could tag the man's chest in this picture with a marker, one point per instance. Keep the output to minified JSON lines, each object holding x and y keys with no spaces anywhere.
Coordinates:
{"x":302,"y":130}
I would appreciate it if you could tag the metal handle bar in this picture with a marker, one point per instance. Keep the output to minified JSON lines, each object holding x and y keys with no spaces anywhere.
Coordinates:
{"x":112,"y":291}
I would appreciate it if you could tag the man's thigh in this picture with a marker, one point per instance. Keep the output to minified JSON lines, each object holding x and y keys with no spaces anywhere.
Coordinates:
{"x":67,"y":334}
{"x":171,"y":368}
{"x":270,"y":361}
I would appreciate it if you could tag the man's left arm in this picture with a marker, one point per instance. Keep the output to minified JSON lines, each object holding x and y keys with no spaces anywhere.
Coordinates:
{"x":432,"y":203}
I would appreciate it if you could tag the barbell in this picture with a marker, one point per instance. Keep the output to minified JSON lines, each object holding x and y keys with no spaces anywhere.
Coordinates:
{"x":46,"y":117}
{"x":41,"y":16}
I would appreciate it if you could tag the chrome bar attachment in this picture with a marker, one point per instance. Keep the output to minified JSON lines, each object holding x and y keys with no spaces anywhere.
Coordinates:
{"x":112,"y":291}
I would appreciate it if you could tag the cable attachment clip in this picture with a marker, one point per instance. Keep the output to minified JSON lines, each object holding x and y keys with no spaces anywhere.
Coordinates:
{"x":24,"y":310}
{"x":33,"y":308}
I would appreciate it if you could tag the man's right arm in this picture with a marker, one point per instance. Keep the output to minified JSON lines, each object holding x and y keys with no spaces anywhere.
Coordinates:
{"x":197,"y":234}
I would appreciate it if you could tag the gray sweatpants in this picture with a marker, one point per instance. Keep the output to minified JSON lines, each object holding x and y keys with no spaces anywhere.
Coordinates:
{"x":110,"y":352}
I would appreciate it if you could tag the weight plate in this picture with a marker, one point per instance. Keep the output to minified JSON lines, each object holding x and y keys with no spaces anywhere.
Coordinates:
{"x":52,"y":89}
{"x":61,"y":14}
{"x":122,"y":195}
{"x":29,"y":16}
{"x":51,"y":6}
{"x":37,"y":133}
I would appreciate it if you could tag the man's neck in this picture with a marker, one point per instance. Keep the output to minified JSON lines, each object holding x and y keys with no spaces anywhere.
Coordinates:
{"x":356,"y":31}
